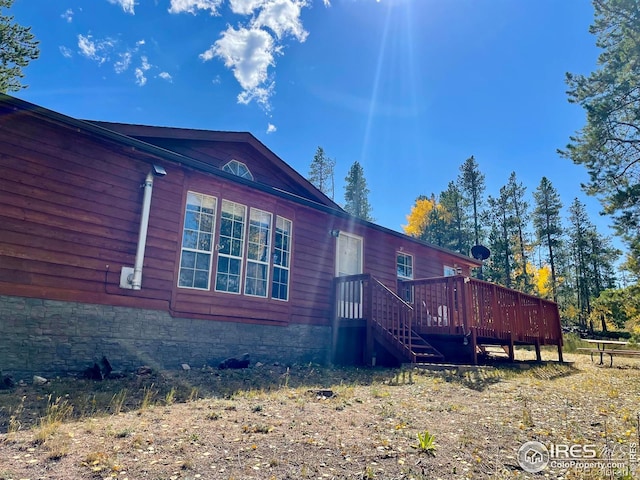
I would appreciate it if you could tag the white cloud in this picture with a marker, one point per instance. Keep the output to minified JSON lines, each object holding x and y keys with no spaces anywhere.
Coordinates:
{"x":166,"y":76}
{"x":271,"y":128}
{"x":139,"y":43}
{"x":191,"y":6}
{"x":145,"y":65}
{"x":127,"y":5}
{"x":250,"y":48}
{"x":123,"y":64}
{"x":68,"y":15}
{"x":95,"y":50}
{"x":66,"y":52}
{"x":282,"y":17}
{"x":248,"y":52}
{"x":141,"y":80}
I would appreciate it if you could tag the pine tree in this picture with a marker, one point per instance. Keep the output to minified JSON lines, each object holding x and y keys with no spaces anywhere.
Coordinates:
{"x":321,"y":173}
{"x":608,"y":145}
{"x":17,"y":48}
{"x":548,"y":225}
{"x":472,"y":184}
{"x":520,"y":211}
{"x":452,"y":200}
{"x":500,"y":265}
{"x":356,"y":193}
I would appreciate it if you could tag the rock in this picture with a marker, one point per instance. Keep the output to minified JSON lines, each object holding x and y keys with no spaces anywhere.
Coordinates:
{"x":7,"y":382}
{"x":259,"y":364}
{"x":322,"y":394}
{"x":38,"y":380}
{"x":186,"y":367}
{"x":105,"y":367}
{"x":93,"y":373}
{"x":144,"y":370}
{"x":235,"y":362}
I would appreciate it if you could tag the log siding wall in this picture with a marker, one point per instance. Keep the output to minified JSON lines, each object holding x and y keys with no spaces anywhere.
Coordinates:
{"x":70,"y":206}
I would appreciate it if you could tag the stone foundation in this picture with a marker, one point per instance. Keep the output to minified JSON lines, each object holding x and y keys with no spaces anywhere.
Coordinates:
{"x":48,"y":337}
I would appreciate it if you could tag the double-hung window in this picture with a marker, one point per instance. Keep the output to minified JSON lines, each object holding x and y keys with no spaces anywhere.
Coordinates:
{"x":404,"y":265}
{"x":258,"y":253}
{"x":281,"y":259}
{"x":230,"y":247}
{"x":197,"y":241}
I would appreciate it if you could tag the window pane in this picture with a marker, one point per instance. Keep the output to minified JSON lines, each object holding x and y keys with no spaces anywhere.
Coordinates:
{"x":201,"y":279}
{"x":188,"y":259}
{"x":186,"y":277}
{"x":190,"y":239}
{"x":202,"y":261}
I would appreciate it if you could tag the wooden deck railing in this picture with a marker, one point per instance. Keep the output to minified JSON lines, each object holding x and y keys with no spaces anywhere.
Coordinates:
{"x":364,"y":297}
{"x":456,"y":305}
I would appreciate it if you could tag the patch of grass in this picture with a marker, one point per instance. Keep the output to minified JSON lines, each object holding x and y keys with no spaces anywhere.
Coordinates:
{"x":148,"y":397}
{"x":170,"y":397}
{"x":14,"y":418}
{"x":117,"y":401}
{"x":56,"y":412}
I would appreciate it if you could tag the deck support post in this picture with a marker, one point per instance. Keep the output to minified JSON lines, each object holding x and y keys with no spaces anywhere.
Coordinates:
{"x":335,"y":323}
{"x":560,"y":351}
{"x":474,"y":346}
{"x":538,"y":355}
{"x":512,"y":353}
{"x":368,"y":346}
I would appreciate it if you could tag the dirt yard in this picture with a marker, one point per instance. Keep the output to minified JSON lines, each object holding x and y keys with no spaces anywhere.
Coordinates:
{"x":309,"y":422}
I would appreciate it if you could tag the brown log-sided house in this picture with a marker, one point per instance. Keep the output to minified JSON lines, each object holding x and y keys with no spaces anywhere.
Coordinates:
{"x":169,"y":246}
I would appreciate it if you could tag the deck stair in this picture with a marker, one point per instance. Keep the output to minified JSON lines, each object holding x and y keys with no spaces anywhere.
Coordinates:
{"x":494,"y":350}
{"x":407,"y":345}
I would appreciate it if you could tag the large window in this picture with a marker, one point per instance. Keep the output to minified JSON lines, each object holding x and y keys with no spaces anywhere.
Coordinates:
{"x":197,"y":241}
{"x":249,"y":247}
{"x":281,"y":259}
{"x":231,"y":247}
{"x":258,"y":253}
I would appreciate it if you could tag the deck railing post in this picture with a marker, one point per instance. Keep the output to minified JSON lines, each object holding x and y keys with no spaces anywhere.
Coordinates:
{"x":367,"y":307}
{"x":335,"y":320}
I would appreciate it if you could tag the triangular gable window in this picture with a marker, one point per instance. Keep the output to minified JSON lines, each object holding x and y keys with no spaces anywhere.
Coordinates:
{"x":238,"y":168}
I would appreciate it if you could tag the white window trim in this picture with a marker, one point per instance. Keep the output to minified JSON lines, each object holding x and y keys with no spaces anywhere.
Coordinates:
{"x":402,"y":277}
{"x":259,"y":262}
{"x":213,"y":244}
{"x":242,"y":256}
{"x":287,"y":268}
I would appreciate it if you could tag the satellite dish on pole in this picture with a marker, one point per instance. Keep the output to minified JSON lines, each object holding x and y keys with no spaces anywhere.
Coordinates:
{"x":480,"y":252}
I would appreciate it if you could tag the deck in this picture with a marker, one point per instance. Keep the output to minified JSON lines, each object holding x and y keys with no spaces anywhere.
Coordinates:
{"x":441,"y":318}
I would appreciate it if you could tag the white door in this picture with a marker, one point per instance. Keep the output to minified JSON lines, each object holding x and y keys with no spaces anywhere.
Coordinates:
{"x":349,"y":262}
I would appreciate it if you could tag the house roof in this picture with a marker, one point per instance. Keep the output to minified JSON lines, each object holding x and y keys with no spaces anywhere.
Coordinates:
{"x":153,"y":134}
{"x":115,"y":133}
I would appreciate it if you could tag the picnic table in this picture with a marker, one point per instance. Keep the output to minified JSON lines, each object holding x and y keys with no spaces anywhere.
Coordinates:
{"x":608,"y":347}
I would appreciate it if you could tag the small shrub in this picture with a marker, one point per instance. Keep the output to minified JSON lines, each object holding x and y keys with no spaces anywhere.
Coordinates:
{"x":427,"y":443}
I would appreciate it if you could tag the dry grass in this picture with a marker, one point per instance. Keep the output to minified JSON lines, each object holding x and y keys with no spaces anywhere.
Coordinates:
{"x":272,"y":422}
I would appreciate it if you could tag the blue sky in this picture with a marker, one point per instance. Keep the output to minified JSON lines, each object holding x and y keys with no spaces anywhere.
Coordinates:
{"x":409,"y":88}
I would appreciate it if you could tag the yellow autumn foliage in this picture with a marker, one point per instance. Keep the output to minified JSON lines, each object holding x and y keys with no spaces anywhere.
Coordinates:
{"x":421,"y":216}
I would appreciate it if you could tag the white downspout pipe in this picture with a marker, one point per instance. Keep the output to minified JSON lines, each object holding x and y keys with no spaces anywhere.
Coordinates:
{"x":136,"y":280}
